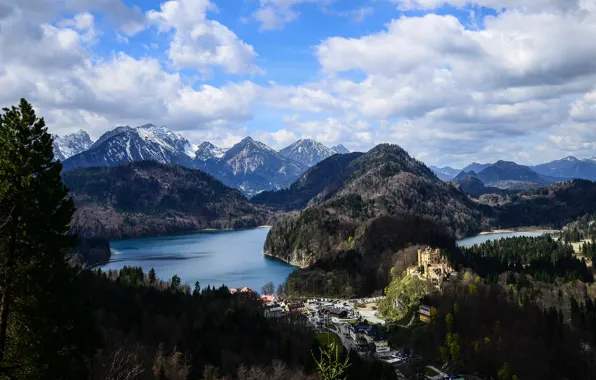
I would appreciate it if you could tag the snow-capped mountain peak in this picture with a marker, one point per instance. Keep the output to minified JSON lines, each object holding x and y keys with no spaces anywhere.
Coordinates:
{"x":307,"y":152}
{"x":207,"y":151}
{"x":69,"y":145}
{"x":340,"y":149}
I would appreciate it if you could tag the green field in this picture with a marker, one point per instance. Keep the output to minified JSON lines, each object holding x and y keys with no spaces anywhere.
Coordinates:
{"x":326,"y":338}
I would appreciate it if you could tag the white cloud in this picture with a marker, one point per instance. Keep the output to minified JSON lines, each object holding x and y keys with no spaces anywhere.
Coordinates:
{"x":277,"y":140}
{"x":466,"y":90}
{"x":49,"y":65}
{"x":199,"y":43}
{"x":82,"y":22}
{"x":128,"y":20}
{"x":275,"y":14}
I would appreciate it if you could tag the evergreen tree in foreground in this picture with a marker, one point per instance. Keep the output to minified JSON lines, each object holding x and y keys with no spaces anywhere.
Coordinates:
{"x":46,"y":332}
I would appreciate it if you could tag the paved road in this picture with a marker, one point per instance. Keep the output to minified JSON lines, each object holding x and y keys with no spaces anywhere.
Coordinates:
{"x":348,"y":343}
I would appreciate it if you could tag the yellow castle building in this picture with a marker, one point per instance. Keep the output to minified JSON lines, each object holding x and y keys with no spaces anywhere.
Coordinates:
{"x":431,"y":266}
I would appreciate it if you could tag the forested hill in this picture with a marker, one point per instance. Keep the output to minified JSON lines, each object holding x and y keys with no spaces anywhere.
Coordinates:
{"x":320,"y":181}
{"x":384,"y":181}
{"x":552,"y":206}
{"x":147,"y":198}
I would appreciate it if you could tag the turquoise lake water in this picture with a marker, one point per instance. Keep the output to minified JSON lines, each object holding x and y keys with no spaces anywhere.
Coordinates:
{"x":233,"y":258}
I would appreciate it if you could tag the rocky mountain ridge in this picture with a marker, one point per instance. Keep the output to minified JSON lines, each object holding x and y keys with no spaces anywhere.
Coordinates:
{"x":249,"y":165}
{"x":69,"y":145}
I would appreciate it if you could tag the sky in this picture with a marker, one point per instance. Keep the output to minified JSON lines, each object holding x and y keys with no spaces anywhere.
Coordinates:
{"x":450,"y":81}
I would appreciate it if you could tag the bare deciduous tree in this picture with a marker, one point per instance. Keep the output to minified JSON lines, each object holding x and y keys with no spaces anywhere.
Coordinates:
{"x":124,"y":366}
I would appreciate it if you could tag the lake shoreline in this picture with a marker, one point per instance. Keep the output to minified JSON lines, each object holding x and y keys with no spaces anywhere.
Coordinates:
{"x":519,"y":229}
{"x":282,"y":260}
{"x":189,"y":232}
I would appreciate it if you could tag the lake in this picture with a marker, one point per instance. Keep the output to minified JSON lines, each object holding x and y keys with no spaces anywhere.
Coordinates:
{"x":479,"y":239}
{"x":233,"y":258}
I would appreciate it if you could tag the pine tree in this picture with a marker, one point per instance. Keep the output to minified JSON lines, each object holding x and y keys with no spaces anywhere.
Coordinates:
{"x":152,"y":277}
{"x":45,"y":330}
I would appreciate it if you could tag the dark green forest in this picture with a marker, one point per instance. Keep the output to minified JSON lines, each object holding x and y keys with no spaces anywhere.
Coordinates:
{"x":543,"y":258}
{"x":484,"y":330}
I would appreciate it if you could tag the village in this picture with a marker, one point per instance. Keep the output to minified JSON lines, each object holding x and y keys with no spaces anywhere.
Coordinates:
{"x":358,"y":324}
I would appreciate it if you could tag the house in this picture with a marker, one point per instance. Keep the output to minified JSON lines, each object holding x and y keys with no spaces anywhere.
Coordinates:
{"x":296,"y":307}
{"x":246,"y":289}
{"x":273,"y":310}
{"x":233,"y":291}
{"x":267,"y":298}
{"x":334,"y":313}
{"x":382,"y":346}
{"x":361,"y":330}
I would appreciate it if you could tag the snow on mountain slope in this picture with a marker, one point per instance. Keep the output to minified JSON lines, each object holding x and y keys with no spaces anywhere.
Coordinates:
{"x":207,"y":151}
{"x":340,"y":149}
{"x":126,"y":144}
{"x":250,"y":166}
{"x":307,"y":152}
{"x":69,"y":145}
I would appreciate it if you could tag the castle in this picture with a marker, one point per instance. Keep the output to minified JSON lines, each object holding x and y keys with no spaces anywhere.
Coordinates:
{"x":432,"y":266}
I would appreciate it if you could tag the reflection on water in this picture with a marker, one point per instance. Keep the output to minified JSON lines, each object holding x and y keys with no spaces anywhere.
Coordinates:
{"x":233,"y":258}
{"x":479,"y":239}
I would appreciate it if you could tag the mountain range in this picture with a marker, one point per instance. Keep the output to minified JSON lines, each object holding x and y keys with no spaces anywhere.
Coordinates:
{"x":249,"y":165}
{"x":566,"y":168}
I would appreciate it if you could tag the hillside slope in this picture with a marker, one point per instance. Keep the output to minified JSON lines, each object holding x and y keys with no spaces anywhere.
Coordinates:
{"x":320,"y":180}
{"x":552,"y":206}
{"x":384,"y":181}
{"x":147,"y":198}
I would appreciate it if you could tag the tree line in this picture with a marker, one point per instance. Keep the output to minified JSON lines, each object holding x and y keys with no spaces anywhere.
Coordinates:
{"x":543,"y":257}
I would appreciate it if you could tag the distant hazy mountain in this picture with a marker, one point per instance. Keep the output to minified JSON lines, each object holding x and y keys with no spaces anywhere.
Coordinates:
{"x":126,"y":144}
{"x":462,"y":175}
{"x":307,"y":152}
{"x":148,"y":199}
{"x":471,"y":184}
{"x":446,"y":173}
{"x":510,"y":171}
{"x":69,"y":145}
{"x":474,"y":166}
{"x":569,"y":167}
{"x":340,"y":149}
